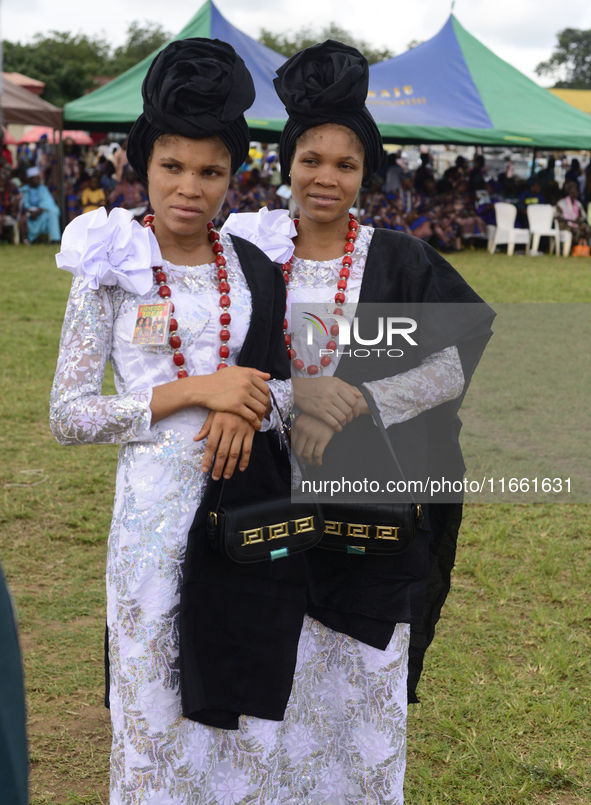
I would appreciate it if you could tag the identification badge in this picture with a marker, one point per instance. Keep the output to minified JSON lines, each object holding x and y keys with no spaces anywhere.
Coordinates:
{"x":151,"y":325}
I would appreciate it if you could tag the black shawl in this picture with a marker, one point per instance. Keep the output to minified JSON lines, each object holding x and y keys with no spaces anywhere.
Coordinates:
{"x":240,"y":625}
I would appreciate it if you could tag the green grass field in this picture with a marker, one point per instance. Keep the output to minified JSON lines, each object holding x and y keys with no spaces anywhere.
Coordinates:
{"x":504,"y":717}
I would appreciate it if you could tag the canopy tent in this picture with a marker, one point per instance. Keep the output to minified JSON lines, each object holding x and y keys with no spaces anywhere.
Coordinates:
{"x":7,"y":137}
{"x":37,"y":132}
{"x":454,"y":89}
{"x":115,"y":106}
{"x":579,"y":98}
{"x":18,"y":105}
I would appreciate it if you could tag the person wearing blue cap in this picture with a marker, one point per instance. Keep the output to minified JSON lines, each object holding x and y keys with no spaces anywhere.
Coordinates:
{"x":41,"y":213}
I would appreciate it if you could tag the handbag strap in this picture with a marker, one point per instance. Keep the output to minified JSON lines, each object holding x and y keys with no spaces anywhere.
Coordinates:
{"x":371,"y":404}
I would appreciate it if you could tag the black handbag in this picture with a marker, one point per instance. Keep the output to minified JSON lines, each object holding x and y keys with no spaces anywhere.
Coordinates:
{"x":266,"y":531}
{"x":378,"y":529}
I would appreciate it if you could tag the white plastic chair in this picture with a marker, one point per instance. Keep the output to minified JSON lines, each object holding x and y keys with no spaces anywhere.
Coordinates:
{"x":566,"y":237}
{"x":505,"y":231}
{"x":540,"y":218}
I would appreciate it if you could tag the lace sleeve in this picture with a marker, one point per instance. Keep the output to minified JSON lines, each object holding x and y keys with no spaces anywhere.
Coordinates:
{"x":78,"y":412}
{"x":435,"y":380}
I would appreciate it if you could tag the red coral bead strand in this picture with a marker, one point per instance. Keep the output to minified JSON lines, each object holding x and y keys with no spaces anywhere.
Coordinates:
{"x":224,"y":289}
{"x":339,"y":298}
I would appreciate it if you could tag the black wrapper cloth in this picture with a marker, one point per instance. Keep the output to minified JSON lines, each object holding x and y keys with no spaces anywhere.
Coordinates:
{"x":196,"y":88}
{"x":327,"y":83}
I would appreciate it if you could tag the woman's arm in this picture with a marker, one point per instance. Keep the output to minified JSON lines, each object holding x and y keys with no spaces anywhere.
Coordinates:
{"x":78,"y":412}
{"x":437,"y":379}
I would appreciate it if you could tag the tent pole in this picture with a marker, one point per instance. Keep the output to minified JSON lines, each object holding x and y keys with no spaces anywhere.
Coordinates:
{"x":533,"y":162}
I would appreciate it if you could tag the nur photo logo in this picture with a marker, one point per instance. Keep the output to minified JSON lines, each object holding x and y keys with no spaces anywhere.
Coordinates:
{"x":389,"y":327}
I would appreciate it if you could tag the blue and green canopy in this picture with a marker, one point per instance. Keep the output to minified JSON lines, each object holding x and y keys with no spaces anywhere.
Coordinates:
{"x":116,"y":106}
{"x":449,"y":89}
{"x":454,"y":89}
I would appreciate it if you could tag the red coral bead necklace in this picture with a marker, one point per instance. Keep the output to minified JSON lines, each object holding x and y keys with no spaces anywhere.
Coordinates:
{"x":223,"y":288}
{"x":339,"y":299}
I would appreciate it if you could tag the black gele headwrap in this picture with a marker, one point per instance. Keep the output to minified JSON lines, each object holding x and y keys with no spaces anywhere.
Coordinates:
{"x":196,"y":88}
{"x":327,"y":83}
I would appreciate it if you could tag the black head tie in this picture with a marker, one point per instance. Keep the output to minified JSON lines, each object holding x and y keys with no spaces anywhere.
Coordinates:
{"x":196,"y":88}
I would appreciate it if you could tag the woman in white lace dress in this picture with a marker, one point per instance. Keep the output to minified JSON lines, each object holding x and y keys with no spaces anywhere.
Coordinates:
{"x":166,"y":397}
{"x":345,"y":725}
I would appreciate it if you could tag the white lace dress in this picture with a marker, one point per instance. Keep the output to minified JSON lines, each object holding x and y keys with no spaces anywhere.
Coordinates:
{"x":342,"y":741}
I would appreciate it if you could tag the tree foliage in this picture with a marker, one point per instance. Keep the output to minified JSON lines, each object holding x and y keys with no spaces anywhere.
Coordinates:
{"x":141,"y":41}
{"x":570,"y":62}
{"x":291,"y":43}
{"x":69,"y":64}
{"x":65,"y":62}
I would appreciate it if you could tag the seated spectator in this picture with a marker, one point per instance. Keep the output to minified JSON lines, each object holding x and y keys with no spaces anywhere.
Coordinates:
{"x":5,"y":154}
{"x":93,"y":196}
{"x":573,"y":173}
{"x":476,"y":180}
{"x":40,"y":212}
{"x":531,"y":195}
{"x":394,"y":175}
{"x":423,"y":173}
{"x":9,"y":201}
{"x":453,"y":175}
{"x":570,"y":214}
{"x":130,"y":194}
{"x":107,"y":175}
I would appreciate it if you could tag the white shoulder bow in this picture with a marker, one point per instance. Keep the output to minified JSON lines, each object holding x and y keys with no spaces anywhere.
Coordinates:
{"x":271,"y":230}
{"x":110,"y":250}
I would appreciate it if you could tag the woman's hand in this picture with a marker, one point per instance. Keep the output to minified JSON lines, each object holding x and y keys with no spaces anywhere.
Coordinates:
{"x":229,"y":437}
{"x":327,"y":398}
{"x":309,"y":437}
{"x":236,"y":390}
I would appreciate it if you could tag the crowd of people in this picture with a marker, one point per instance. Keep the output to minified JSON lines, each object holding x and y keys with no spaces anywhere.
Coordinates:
{"x":447,"y":210}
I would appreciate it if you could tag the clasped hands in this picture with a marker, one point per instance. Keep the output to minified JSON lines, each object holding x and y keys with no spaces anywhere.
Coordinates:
{"x":327,"y":404}
{"x":238,"y":398}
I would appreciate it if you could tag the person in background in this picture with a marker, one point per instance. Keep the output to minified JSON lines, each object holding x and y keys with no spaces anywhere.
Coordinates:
{"x":119,"y":160}
{"x":423,"y":173}
{"x":531,"y":195}
{"x":106,"y":172}
{"x":14,"y":766}
{"x":573,"y":173}
{"x":476,"y":173}
{"x":394,"y":175}
{"x":130,"y":194}
{"x":570,"y":214}
{"x":41,"y":212}
{"x":5,"y":155}
{"x":71,"y":163}
{"x":72,"y":201}
{"x":9,"y":201}
{"x":93,"y":196}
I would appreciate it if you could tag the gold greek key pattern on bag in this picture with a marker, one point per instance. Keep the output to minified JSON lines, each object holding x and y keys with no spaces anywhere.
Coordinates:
{"x":335,"y":528}
{"x":303,"y":524}
{"x":357,"y":530}
{"x":252,"y":536}
{"x":279,"y":530}
{"x":387,"y":532}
